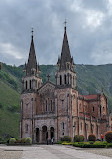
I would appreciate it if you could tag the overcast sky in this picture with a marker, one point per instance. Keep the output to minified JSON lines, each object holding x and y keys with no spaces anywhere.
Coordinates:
{"x":89,"y":30}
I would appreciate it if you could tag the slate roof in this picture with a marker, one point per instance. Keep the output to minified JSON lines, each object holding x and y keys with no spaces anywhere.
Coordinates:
{"x":32,"y":61}
{"x":65,"y":53}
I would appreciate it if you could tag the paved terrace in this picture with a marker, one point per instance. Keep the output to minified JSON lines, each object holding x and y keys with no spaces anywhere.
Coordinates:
{"x":52,"y":152}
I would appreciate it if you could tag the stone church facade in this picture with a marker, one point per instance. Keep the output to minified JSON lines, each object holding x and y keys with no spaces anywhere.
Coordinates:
{"x":57,"y":110}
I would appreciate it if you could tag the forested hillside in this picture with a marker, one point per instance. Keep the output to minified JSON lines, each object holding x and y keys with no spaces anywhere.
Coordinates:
{"x":90,"y":79}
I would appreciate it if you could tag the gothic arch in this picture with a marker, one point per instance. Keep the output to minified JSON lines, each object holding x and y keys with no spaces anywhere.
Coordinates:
{"x":52,"y":131}
{"x":26,"y":85}
{"x":30,"y":84}
{"x":60,"y":80}
{"x":44,"y":133}
{"x":65,"y":79}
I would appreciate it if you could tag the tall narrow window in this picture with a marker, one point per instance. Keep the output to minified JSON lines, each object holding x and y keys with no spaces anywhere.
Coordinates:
{"x":46,"y":106}
{"x":65,"y":78}
{"x":68,"y":78}
{"x":100,"y":110}
{"x":26,"y":84}
{"x":93,"y":109}
{"x":60,"y":80}
{"x":63,"y":126}
{"x":26,"y":127}
{"x":51,"y":106}
{"x":30,"y":84}
{"x":81,"y":127}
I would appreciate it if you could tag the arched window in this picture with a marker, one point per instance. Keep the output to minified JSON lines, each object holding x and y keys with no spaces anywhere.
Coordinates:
{"x":60,"y":80}
{"x":26,"y":84}
{"x":93,"y":109}
{"x":63,"y":126}
{"x":65,"y":79}
{"x":81,"y":126}
{"x":26,"y":127}
{"x":30,"y":84}
{"x":46,"y":106}
{"x":68,"y":77}
{"x":51,"y":106}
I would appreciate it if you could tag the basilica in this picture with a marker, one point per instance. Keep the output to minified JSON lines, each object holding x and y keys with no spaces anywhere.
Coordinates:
{"x":56,"y":110}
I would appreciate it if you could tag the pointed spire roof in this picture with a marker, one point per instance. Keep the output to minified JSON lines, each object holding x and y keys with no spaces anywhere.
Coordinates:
{"x":65,"y":53}
{"x":32,"y":62}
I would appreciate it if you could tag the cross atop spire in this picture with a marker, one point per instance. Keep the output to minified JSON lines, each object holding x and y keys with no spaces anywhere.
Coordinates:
{"x":32,"y":32}
{"x":65,"y":22}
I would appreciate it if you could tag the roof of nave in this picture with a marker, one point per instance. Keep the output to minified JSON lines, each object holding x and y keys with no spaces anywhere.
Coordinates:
{"x":91,"y":96}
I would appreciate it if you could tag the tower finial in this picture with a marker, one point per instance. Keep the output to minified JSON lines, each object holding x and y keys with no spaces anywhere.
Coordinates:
{"x":32,"y":32}
{"x":65,"y":22}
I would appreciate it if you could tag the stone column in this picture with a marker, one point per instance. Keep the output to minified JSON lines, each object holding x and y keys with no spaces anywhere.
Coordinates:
{"x":40,"y":137}
{"x":34,"y":136}
{"x":49,"y":135}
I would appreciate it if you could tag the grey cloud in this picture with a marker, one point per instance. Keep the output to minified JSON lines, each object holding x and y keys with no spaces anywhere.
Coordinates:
{"x":47,"y":17}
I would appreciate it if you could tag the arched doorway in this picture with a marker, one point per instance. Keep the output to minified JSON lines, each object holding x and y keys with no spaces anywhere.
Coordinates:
{"x":44,"y":133}
{"x":37,"y":135}
{"x":52,"y":132}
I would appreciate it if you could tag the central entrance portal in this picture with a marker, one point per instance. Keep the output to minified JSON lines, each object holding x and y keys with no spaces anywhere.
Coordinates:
{"x":44,"y":134}
{"x":52,"y":132}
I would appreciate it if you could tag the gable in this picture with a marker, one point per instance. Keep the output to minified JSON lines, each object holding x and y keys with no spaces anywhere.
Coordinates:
{"x":47,"y":89}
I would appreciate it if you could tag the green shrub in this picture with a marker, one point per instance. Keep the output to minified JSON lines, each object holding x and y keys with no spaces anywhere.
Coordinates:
{"x":66,"y":138}
{"x":28,"y":140}
{"x":12,"y":140}
{"x":67,"y":143}
{"x":18,"y":141}
{"x":88,"y":145}
{"x":23,"y":140}
{"x":109,"y":145}
{"x":78,"y":138}
{"x":91,"y":142}
{"x":108,"y":136}
{"x":92,"y":137}
{"x":59,"y":142}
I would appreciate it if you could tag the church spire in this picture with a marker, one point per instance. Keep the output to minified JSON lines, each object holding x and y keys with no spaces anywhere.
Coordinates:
{"x":65,"y":53}
{"x":31,"y":66}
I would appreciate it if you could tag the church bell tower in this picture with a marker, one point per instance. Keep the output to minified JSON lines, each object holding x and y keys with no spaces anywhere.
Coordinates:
{"x":66,"y":76}
{"x":31,"y":81}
